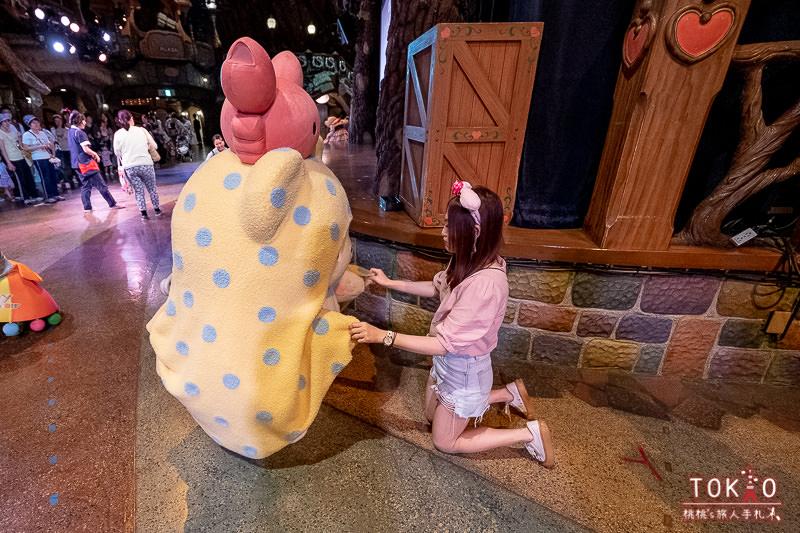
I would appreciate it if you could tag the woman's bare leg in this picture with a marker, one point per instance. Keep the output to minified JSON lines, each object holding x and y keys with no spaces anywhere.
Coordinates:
{"x":451,"y":436}
{"x":431,"y":400}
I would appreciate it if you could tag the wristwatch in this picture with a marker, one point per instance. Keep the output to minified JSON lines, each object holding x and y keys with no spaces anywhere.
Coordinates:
{"x":388,"y":340}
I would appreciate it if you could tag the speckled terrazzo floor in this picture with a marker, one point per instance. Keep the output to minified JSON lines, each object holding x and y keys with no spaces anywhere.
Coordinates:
{"x":103,"y":447}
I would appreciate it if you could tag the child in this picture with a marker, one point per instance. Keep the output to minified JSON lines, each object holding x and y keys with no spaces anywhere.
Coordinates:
{"x":219,"y":146}
{"x":473,"y":290}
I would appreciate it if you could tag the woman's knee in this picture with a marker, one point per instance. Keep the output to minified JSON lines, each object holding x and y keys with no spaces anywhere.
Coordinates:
{"x":444,"y":444}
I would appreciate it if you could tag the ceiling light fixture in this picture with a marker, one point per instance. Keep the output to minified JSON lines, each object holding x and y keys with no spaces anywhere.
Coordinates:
{"x":75,"y":27}
{"x":311,"y":29}
{"x":65,"y":20}
{"x":271,"y":23}
{"x":39,"y":13}
{"x":102,"y":57}
{"x":58,"y":47}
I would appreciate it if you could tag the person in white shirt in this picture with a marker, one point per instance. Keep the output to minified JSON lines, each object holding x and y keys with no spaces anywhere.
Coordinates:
{"x":38,"y":143}
{"x":219,"y":146}
{"x":131,"y":145}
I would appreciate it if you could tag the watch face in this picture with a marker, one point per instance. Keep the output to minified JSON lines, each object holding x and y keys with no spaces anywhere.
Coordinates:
{"x":387,"y":340}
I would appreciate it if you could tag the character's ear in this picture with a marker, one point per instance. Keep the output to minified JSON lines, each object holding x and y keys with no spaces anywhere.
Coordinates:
{"x":248,"y":77}
{"x":270,"y":193}
{"x":287,"y":66}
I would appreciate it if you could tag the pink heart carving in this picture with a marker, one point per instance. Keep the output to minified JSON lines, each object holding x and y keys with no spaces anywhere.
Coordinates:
{"x":446,"y":33}
{"x":633,"y":44}
{"x":476,"y":134}
{"x":535,"y":31}
{"x":696,"y":38}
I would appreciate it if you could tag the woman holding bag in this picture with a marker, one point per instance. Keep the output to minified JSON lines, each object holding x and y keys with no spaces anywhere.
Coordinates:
{"x":36,"y":141}
{"x":133,"y":146}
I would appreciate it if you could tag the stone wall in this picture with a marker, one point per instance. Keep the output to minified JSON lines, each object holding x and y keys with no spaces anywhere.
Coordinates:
{"x":688,"y":326}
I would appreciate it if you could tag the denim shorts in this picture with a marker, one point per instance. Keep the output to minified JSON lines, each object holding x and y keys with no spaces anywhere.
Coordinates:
{"x":463,"y":383}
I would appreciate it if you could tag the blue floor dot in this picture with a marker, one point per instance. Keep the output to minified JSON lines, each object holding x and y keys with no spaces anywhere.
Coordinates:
{"x":51,"y":401}
{"x":231,"y":381}
{"x":53,"y":499}
{"x":50,"y":380}
{"x":272,"y":357}
{"x":52,"y":427}
{"x":53,"y":460}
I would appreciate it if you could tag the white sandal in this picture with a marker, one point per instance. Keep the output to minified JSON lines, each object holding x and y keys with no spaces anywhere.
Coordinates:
{"x":541,"y":447}
{"x":519,"y":400}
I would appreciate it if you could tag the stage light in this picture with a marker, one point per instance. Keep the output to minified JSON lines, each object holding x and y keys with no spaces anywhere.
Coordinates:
{"x":39,"y":13}
{"x":72,"y":49}
{"x":63,"y":90}
{"x":106,"y":36}
{"x":75,"y":27}
{"x":128,"y":75}
{"x":205,"y":80}
{"x":58,"y":47}
{"x":65,"y":20}
{"x":311,"y":29}
{"x":96,"y":20}
{"x":102,"y":57}
{"x":271,"y":23}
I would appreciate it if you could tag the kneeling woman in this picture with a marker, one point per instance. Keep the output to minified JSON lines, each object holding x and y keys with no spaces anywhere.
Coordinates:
{"x":473,"y":291}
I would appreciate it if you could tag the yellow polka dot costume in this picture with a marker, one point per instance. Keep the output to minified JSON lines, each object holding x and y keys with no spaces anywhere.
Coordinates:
{"x":243,"y":341}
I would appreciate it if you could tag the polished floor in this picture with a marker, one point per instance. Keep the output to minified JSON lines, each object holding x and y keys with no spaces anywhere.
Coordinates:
{"x":90,"y":440}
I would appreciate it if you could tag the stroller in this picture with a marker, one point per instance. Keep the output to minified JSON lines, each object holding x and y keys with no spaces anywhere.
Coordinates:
{"x":183,"y":151}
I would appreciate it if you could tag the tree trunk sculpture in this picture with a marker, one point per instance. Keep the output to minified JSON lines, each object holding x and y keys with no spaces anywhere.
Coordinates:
{"x":410,"y":19}
{"x":748,"y":173}
{"x":363,"y":106}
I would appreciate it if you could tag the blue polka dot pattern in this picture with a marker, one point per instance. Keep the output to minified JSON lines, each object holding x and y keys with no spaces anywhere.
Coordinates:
{"x":232,"y":181}
{"x":191,"y":389}
{"x":278,"y":197}
{"x":189,"y":202}
{"x":209,"y":333}
{"x":310,"y":278}
{"x":336,"y":368}
{"x":266,"y":314}
{"x":265,"y":417}
{"x":249,"y":451}
{"x":294,"y":436}
{"x":170,"y":310}
{"x":320,"y":326}
{"x":215,"y":439}
{"x":177,"y":260}
{"x":331,"y":187}
{"x":182,"y":348}
{"x":335,"y":232}
{"x":230,"y":381}
{"x":268,"y":256}
{"x":302,"y":216}
{"x":203,"y":237}
{"x":301,"y":383}
{"x":188,"y":299}
{"x":221,"y":278}
{"x":272,"y":357}
{"x":221,"y":421}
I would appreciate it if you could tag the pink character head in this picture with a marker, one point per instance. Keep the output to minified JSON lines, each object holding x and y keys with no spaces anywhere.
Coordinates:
{"x":265,"y":105}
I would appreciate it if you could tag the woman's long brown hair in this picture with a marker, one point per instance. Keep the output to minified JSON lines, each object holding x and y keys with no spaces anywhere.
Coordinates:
{"x":461,"y":235}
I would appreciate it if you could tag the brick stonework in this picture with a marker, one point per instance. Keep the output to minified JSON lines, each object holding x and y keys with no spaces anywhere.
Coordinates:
{"x":539,"y":285}
{"x":416,"y":268}
{"x":738,"y":364}
{"x":400,"y":296}
{"x":511,"y":312}
{"x":610,"y":354}
{"x":546,"y":316}
{"x":679,"y":295}
{"x":690,"y":346}
{"x":372,"y":309}
{"x":742,"y":333}
{"x":605,"y":291}
{"x":556,"y":350}
{"x":643,"y":328}
{"x":410,"y":319}
{"x":737,"y":298}
{"x":649,"y":359}
{"x":792,"y":339}
{"x":429,"y":304}
{"x":371,"y":255}
{"x":512,"y":343}
{"x":784,"y":369}
{"x":595,"y":324}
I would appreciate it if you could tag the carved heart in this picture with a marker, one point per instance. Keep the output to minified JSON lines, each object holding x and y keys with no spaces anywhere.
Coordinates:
{"x":446,"y":33}
{"x":634,"y":43}
{"x":696,"y":38}
{"x":476,"y":135}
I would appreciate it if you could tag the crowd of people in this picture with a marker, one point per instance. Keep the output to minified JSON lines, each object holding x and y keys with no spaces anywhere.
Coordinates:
{"x":38,"y":164}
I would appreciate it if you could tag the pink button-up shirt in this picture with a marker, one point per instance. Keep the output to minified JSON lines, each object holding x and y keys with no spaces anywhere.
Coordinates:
{"x":469,"y":316}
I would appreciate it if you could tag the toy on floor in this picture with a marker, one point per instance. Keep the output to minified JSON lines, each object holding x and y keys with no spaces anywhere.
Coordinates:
{"x":250,"y":337}
{"x":23,"y":300}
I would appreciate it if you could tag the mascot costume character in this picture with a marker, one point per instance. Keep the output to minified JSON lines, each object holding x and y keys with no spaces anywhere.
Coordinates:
{"x":250,"y":337}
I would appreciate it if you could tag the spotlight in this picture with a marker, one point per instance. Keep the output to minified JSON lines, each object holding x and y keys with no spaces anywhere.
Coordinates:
{"x":39,"y":13}
{"x":311,"y":29}
{"x":65,"y":20}
{"x":58,"y":47}
{"x":75,"y":27}
{"x":271,"y":23}
{"x":96,"y":20}
{"x":205,"y":80}
{"x":106,"y":36}
{"x":102,"y":57}
{"x":63,"y":90}
{"x":72,"y":49}
{"x":128,"y":75}
{"x":105,"y":107}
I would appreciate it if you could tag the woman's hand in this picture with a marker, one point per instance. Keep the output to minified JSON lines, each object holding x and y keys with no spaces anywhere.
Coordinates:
{"x":377,"y":275}
{"x":10,"y":167}
{"x":366,"y":333}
